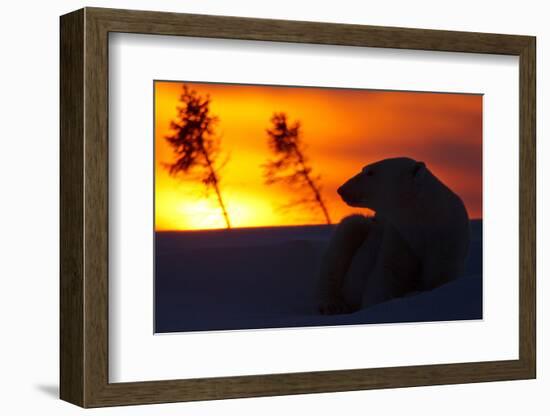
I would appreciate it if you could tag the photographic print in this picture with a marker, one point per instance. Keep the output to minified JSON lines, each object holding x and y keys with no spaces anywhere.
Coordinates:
{"x":290,"y":206}
{"x":202,"y":201}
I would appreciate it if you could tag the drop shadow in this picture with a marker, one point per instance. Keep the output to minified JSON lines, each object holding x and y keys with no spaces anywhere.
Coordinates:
{"x":51,"y":390}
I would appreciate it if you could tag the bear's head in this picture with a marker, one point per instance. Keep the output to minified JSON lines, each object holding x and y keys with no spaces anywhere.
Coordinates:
{"x":384,"y":185}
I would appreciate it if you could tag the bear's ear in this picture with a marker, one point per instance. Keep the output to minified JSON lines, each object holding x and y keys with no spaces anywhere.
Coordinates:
{"x":419,"y":171}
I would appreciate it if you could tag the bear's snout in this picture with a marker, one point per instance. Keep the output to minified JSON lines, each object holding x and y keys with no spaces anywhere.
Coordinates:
{"x":345,"y":193}
{"x":349,"y":192}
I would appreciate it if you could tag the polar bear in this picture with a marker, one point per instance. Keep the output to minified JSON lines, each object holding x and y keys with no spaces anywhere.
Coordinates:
{"x":417,"y":240}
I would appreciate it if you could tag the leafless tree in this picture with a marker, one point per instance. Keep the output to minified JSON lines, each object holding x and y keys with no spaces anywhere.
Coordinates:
{"x":195,"y":143}
{"x":290,"y":165}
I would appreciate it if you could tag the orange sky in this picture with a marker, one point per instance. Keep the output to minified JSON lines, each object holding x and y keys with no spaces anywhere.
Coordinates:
{"x":343,"y":129}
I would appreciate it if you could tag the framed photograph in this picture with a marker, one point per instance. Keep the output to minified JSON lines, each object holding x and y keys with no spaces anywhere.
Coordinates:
{"x":254,"y":207}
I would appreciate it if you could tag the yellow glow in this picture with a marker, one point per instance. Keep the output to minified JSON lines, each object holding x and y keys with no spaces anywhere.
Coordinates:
{"x":343,"y":131}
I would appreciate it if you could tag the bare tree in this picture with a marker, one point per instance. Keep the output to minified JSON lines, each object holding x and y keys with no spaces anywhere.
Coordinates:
{"x":195,"y":144}
{"x":291,"y":165}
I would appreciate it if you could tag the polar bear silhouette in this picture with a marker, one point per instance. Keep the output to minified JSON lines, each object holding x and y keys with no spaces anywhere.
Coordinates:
{"x":417,"y":240}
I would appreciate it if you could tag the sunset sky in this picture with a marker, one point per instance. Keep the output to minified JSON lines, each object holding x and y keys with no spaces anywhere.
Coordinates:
{"x":343,"y":130}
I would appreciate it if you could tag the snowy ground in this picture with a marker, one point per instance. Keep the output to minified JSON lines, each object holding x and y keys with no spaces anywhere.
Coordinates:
{"x":267,"y":277}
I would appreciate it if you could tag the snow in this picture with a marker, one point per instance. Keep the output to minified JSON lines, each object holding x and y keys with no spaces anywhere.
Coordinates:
{"x":268,"y":278}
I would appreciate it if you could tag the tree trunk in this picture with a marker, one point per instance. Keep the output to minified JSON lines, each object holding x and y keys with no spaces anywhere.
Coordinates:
{"x":217,"y":189}
{"x":313,"y":187}
{"x":220,"y":201}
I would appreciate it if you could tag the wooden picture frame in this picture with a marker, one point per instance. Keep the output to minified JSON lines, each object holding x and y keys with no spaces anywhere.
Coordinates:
{"x":84,"y":207}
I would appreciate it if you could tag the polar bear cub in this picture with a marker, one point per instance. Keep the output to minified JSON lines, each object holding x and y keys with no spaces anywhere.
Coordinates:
{"x":418,"y":239}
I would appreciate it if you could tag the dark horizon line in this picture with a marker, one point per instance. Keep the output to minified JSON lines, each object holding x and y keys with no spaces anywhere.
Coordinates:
{"x":259,"y":227}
